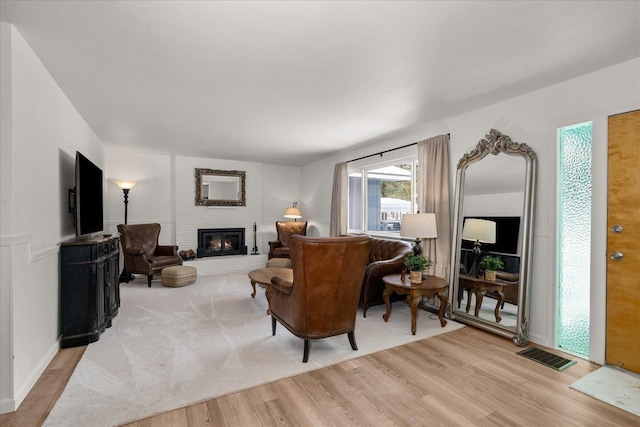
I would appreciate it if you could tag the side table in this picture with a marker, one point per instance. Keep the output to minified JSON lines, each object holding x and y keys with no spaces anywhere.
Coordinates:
{"x":480,"y":287}
{"x":262,"y":277}
{"x":430,"y":286}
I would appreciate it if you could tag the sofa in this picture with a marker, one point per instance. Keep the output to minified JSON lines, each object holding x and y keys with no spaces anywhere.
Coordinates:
{"x":385,"y":257}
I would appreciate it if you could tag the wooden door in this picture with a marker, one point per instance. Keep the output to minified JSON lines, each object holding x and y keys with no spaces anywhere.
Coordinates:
{"x":623,"y":273}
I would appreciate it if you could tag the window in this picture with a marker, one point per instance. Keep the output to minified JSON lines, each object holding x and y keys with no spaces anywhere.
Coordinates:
{"x":574,"y":238}
{"x":379,"y":194}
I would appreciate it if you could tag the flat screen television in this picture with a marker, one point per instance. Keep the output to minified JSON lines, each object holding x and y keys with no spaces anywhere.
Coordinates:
{"x":507,"y":235}
{"x":89,"y":209}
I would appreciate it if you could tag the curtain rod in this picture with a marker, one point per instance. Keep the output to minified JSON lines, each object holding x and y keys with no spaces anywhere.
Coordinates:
{"x":386,"y":151}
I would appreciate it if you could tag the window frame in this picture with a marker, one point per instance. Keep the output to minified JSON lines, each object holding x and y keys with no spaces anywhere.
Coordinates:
{"x":364,"y":167}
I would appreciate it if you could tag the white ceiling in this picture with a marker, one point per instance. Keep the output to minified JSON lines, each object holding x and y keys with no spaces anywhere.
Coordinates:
{"x":292,"y":82}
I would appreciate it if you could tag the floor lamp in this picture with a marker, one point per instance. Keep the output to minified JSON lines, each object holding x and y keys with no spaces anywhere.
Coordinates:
{"x":478,"y":231}
{"x":125,"y":186}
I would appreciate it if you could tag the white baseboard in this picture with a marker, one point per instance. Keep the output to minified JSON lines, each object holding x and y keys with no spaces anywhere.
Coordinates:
{"x":7,"y":405}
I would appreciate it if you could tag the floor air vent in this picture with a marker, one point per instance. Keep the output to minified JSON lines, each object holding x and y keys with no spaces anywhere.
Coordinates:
{"x":551,"y":360}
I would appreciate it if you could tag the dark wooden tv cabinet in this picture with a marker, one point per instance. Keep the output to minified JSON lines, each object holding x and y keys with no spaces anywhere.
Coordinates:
{"x":89,"y":288}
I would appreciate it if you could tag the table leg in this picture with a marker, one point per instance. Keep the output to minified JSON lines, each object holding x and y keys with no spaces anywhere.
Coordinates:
{"x":468,"y":299}
{"x":479,"y":297}
{"x":253,"y":284}
{"x":414,"y":302}
{"x":444,"y":300}
{"x":269,"y":292}
{"x":498,"y":305}
{"x":385,"y":296}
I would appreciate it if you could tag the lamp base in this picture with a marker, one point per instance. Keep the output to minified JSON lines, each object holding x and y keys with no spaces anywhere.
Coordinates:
{"x":417,"y":249}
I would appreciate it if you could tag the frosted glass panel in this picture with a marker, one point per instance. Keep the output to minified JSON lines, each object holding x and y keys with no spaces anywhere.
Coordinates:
{"x":574,"y":238}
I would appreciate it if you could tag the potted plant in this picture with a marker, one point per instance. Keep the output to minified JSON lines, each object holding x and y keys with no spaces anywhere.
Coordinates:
{"x":416,"y":264}
{"x":491,"y":264}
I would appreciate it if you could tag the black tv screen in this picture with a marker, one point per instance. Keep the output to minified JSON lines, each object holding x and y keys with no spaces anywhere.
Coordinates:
{"x":507,"y":234}
{"x":89,"y":217}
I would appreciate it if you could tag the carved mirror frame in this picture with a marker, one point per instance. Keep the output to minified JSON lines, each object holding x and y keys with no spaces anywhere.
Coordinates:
{"x":495,"y":143}
{"x":224,"y":175}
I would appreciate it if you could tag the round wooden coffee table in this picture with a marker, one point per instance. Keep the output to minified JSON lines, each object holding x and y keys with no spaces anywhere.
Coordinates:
{"x":430,"y":286}
{"x":262,"y":277}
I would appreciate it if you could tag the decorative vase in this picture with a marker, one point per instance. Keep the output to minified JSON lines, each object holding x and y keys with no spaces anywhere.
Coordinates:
{"x":415,"y":277}
{"x":490,"y":275}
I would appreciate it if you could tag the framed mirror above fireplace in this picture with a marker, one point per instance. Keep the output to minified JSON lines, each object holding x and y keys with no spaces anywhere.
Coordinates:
{"x":220,"y":187}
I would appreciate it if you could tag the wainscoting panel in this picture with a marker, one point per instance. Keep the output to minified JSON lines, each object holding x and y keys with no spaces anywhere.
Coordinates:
{"x":29,"y":305}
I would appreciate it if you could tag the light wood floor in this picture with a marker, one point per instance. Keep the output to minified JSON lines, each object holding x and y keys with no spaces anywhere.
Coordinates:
{"x":463,"y":378}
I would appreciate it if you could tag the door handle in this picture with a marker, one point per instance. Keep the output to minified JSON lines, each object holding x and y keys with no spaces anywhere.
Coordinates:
{"x":616,"y":229}
{"x":617,"y":256}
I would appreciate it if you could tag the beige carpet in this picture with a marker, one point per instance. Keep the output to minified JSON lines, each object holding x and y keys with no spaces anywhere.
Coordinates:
{"x":613,"y":386}
{"x":171,"y":347}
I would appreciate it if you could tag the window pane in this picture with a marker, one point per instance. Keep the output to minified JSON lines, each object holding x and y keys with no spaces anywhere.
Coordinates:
{"x":388,"y":197}
{"x":574,"y":238}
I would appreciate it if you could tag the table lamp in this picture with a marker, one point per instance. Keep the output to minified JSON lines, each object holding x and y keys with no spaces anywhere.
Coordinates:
{"x":420,"y":225}
{"x":478,"y":231}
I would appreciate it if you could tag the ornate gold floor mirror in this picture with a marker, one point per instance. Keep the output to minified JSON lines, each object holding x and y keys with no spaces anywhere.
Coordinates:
{"x":493,"y":217}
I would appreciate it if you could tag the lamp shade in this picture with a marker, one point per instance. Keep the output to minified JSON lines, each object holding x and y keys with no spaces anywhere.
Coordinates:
{"x":420,"y":225}
{"x":293,"y":212}
{"x":481,"y":230}
{"x":125,"y":185}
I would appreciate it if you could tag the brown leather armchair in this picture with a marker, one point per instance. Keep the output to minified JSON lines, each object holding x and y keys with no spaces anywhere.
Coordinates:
{"x":142,"y":253}
{"x":280,"y":248}
{"x":385,"y":257}
{"x":322,"y":299}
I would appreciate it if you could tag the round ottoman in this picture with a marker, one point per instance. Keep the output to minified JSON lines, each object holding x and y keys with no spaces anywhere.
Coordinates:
{"x":179,"y":275}
{"x":279,"y":263}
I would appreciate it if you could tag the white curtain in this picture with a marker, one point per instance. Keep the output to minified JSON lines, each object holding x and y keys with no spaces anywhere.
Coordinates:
{"x":433,"y":195}
{"x":339,"y":200}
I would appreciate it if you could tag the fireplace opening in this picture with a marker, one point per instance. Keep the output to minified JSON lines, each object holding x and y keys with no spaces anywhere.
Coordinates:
{"x":221,"y":241}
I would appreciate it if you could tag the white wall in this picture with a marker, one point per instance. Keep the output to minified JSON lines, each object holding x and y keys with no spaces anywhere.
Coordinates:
{"x":153,"y":197}
{"x":533,"y":119}
{"x":41,"y":132}
{"x":6,"y":222}
{"x":280,"y":188}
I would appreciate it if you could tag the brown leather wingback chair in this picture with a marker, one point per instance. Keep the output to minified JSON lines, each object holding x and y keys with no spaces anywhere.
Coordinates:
{"x":385,"y":257}
{"x":142,"y":253}
{"x":280,"y":248}
{"x":322,"y":299}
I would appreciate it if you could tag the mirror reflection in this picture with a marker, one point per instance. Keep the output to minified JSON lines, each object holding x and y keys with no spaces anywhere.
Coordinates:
{"x":492,"y":236}
{"x":220,"y":187}
{"x":492,"y":210}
